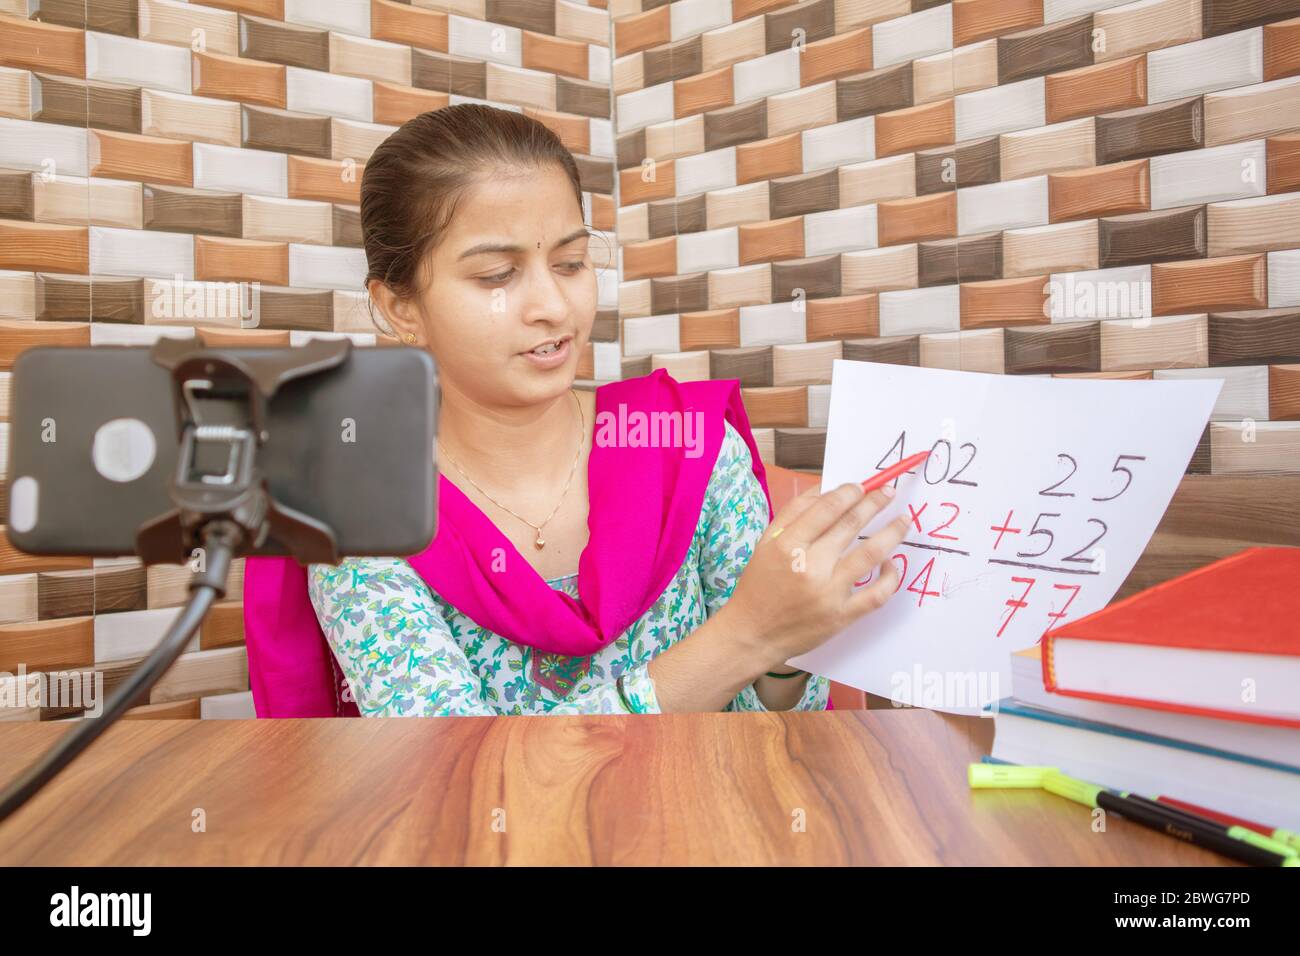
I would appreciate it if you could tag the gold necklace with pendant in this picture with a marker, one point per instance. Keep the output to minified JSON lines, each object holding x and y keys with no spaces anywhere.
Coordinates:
{"x":541,"y":541}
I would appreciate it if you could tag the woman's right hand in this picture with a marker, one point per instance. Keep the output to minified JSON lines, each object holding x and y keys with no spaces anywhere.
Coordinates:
{"x":798,"y":589}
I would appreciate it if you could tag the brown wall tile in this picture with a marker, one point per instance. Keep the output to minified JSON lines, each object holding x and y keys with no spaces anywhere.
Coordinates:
{"x":1117,"y":85}
{"x":1161,"y":236}
{"x":234,"y":260}
{"x":238,"y":78}
{"x":974,"y":258}
{"x":1255,"y":337}
{"x":29,"y":45}
{"x":1209,"y":285}
{"x":805,"y":193}
{"x":1066,"y":45}
{"x":282,"y":131}
{"x":815,"y":278}
{"x":769,"y":158}
{"x":1150,"y":130}
{"x":879,"y":91}
{"x":973,"y":163}
{"x":915,"y":220}
{"x":842,"y":317}
{"x":29,"y":247}
{"x":74,"y":102}
{"x":144,"y":158}
{"x":178,"y":209}
{"x":1071,"y":347}
{"x":289,"y":43}
{"x":1004,"y":302}
{"x":847,"y":54}
{"x":975,"y":20}
{"x":772,"y":240}
{"x":1103,"y":191}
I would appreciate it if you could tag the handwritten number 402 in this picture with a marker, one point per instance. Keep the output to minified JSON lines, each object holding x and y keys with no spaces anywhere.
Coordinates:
{"x":1051,"y":491}
{"x":930,"y":470}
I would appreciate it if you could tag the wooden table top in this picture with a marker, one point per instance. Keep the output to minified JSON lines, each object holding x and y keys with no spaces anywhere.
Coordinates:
{"x":869,"y":787}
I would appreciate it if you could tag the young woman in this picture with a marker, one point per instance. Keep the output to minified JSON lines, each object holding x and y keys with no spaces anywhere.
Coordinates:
{"x":578,"y":567}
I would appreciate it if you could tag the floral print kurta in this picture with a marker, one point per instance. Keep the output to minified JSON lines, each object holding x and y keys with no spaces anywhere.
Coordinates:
{"x":407,"y":652}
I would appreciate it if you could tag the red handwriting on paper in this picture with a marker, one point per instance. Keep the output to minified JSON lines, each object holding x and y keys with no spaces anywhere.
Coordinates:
{"x":1057,"y":615}
{"x":1004,"y":529}
{"x":1015,"y":604}
{"x":924,"y":590}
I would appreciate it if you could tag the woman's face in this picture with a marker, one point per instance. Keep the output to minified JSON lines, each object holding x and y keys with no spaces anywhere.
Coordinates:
{"x":511,"y":273}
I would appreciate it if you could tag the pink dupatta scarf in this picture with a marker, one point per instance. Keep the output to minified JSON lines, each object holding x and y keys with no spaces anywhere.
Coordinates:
{"x":645,"y":503}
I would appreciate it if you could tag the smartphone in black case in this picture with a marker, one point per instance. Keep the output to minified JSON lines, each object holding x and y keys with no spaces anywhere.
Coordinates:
{"x":94,"y":443}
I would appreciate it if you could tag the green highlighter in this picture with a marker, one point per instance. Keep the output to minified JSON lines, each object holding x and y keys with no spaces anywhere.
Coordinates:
{"x":1237,"y":842}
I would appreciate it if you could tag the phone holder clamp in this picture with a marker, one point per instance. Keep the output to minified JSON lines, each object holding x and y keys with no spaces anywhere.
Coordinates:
{"x":221,"y":401}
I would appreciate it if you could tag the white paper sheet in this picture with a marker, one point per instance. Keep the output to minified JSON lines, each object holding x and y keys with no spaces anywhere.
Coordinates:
{"x":1037,"y":499}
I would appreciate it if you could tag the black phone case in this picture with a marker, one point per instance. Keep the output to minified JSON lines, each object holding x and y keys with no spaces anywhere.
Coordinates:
{"x":376,"y":491}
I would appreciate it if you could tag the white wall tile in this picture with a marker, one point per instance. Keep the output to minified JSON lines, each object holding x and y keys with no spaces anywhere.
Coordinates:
{"x":839,"y":230}
{"x":911,"y":36}
{"x":602,"y":138}
{"x":1235,"y":171}
{"x":1055,"y":10}
{"x":912,"y":311}
{"x":650,"y":334}
{"x":302,"y":337}
{"x":121,"y":333}
{"x":819,"y":405}
{"x":689,"y":17}
{"x":124,"y":635}
{"x":481,"y":40}
{"x":237,"y":706}
{"x":853,"y":141}
{"x":766,"y":75}
{"x":1244,"y":393}
{"x":115,"y":59}
{"x":654,"y":104}
{"x":1000,"y":109}
{"x":705,"y":172}
{"x":255,"y":171}
{"x":706,"y":251}
{"x":1009,"y":205}
{"x":607,"y":288}
{"x":17,"y":296}
{"x":598,"y":64}
{"x":1284,"y":278}
{"x":608,"y":361}
{"x":347,"y":16}
{"x":776,"y":324}
{"x":1218,"y":63}
{"x":28,"y":145}
{"x":1122,"y":292}
{"x":327,"y":267}
{"x":137,"y":252}
{"x":328,"y":94}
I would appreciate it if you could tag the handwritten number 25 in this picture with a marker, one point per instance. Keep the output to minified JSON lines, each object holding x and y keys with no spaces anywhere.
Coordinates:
{"x":1128,"y":475}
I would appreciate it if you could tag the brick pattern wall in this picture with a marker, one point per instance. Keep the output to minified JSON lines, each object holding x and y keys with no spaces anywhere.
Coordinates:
{"x":1042,"y":187}
{"x":1048,"y":187}
{"x":223,"y":143}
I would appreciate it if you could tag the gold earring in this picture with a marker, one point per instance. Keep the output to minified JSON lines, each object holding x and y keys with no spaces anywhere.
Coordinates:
{"x":410,"y":337}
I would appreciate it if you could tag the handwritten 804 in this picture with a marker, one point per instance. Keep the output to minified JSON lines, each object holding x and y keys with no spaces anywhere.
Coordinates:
{"x":1046,"y":546}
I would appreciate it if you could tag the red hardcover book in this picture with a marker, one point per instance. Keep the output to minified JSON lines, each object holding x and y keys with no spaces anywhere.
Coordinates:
{"x":1222,"y":641}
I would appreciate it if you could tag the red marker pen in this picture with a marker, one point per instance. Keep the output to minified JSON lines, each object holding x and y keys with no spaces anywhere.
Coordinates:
{"x":893,"y":471}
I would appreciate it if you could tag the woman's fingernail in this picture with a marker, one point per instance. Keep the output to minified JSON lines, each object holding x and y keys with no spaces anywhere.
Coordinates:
{"x":887,"y":491}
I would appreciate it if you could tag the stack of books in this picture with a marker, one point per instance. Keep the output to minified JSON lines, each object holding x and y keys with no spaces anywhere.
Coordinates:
{"x":1188,"y":692}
